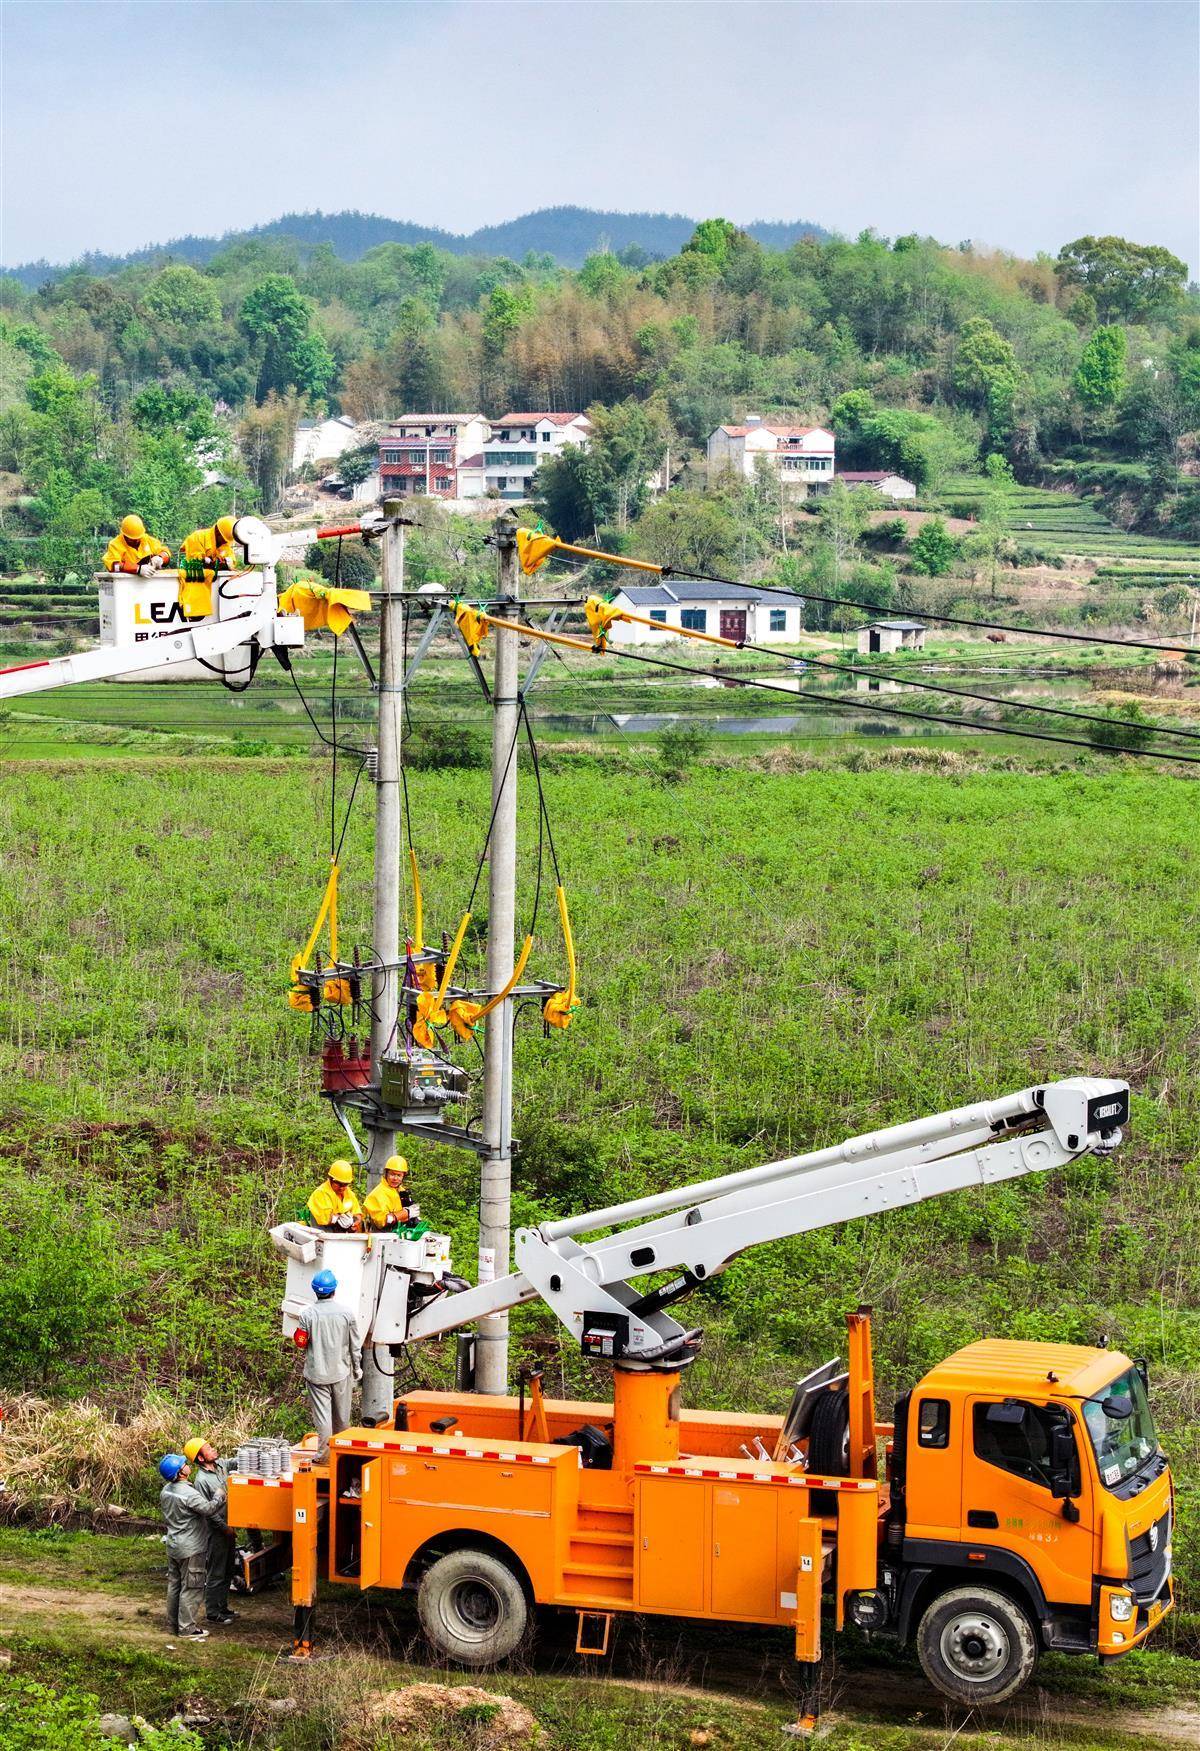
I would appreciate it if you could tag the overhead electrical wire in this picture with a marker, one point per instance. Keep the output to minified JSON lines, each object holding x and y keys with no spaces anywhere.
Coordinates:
{"x":971,"y":726}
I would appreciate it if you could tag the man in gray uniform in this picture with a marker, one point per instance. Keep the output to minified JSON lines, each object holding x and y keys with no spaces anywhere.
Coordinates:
{"x":210,"y":1479}
{"x":332,"y":1362}
{"x":187,"y":1514}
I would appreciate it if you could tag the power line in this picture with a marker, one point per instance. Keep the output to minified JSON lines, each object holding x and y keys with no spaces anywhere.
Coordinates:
{"x":967,"y":724}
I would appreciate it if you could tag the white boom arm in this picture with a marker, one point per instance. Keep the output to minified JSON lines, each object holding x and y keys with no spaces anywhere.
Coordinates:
{"x":700,"y":1228}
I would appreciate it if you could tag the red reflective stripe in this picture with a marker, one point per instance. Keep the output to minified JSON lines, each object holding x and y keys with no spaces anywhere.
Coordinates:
{"x":18,"y":667}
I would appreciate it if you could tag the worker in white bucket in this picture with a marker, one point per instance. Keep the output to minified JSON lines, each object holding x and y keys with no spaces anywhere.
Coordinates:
{"x":211,"y":1480}
{"x":334,"y":1204}
{"x":188,"y":1515}
{"x":134,"y":549}
{"x":332,"y":1364}
{"x":388,"y":1206}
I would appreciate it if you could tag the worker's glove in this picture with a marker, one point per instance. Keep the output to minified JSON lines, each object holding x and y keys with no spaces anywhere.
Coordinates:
{"x":300,"y":1338}
{"x":147,"y":568}
{"x":414,"y":1213}
{"x":345,"y":1223}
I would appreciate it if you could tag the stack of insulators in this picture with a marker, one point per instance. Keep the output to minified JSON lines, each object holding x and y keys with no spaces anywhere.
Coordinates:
{"x":345,"y":1067}
{"x":268,"y":1456}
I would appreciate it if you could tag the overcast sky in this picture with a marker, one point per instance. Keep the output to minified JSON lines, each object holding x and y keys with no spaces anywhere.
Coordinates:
{"x":1019,"y":123}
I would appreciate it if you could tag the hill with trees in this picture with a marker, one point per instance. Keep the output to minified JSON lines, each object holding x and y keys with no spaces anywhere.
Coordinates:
{"x":169,"y":387}
{"x":568,"y":234}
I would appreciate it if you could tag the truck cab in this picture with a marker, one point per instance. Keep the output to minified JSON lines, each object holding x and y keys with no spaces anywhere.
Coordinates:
{"x":1031,"y":1508}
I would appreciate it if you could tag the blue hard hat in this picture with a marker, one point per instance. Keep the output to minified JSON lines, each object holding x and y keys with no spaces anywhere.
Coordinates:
{"x":324,"y":1285}
{"x":171,"y":1465}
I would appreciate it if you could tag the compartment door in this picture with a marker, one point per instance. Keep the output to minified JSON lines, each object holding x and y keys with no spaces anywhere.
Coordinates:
{"x":371,"y":1542}
{"x":669,"y":1545}
{"x":745,"y":1558}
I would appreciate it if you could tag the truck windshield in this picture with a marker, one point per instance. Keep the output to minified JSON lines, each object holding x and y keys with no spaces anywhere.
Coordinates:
{"x":1121,"y":1444}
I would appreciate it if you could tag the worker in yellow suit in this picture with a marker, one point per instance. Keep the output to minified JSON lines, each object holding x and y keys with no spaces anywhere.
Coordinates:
{"x":387,"y":1206}
{"x":333,"y":1204}
{"x":215,"y":548}
{"x":133,"y":550}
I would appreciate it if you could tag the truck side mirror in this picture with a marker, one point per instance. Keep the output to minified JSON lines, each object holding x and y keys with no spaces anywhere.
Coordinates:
{"x":1143,"y":1371}
{"x":1062,"y":1461}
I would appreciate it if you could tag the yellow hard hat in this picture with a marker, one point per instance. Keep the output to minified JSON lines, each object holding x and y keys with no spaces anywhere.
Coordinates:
{"x":225,"y":528}
{"x":342,"y":1173}
{"x":395,"y":1164}
{"x":132,"y":528}
{"x":191,"y":1449}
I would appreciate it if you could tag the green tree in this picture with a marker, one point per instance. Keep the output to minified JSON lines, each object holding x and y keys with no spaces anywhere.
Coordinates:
{"x":1127,"y":281}
{"x":565,"y":495}
{"x":181,"y":295}
{"x":984,"y":361}
{"x":934,"y":550}
{"x":627,"y":445}
{"x":714,"y":238}
{"x":276,"y":316}
{"x":844,"y":514}
{"x":1100,"y":374}
{"x":689,"y":531}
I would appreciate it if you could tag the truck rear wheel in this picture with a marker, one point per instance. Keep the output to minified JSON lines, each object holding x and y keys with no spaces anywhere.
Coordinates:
{"x":472,"y":1607}
{"x":976,"y":1645}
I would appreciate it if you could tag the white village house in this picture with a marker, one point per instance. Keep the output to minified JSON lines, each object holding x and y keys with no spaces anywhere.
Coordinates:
{"x":802,"y":456}
{"x":426,"y":454}
{"x":889,"y":486}
{"x":743,"y":612}
{"x":323,"y":441}
{"x":511,"y":455}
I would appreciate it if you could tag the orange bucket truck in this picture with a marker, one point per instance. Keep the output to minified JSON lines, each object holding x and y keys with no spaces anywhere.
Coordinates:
{"x":1019,"y":1502}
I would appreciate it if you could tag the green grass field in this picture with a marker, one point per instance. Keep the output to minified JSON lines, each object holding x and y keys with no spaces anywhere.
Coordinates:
{"x":769,"y":961}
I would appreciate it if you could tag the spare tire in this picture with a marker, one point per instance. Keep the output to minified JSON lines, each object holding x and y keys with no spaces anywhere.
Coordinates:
{"x":829,"y":1436}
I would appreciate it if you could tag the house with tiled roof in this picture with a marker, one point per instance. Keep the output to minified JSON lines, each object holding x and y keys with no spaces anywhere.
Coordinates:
{"x":420,"y":454}
{"x":520,"y":442}
{"x":880,"y":480}
{"x":802,"y":456}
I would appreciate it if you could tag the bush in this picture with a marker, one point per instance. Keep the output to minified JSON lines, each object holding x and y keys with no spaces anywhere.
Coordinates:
{"x":934,"y":550}
{"x":58,"y":1290}
{"x":439,"y":747}
{"x":357,"y":570}
{"x":680,"y":745}
{"x":35,"y":1718}
{"x":890,"y":533}
{"x":1127,"y":726}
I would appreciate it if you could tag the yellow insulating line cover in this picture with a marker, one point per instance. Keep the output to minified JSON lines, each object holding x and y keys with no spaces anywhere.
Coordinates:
{"x":418,"y":903}
{"x":561,"y":1005}
{"x":328,"y":901}
{"x":452,"y":958}
{"x":535,"y":549}
{"x":526,"y":631}
{"x":518,"y":969}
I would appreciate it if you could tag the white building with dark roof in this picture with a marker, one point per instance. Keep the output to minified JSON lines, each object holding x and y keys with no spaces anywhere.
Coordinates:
{"x":881,"y":480}
{"x":802,"y":456}
{"x":745,"y":613}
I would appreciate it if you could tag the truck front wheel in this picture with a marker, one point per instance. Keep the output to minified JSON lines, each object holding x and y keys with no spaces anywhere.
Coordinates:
{"x":976,"y":1646}
{"x":472,"y":1607}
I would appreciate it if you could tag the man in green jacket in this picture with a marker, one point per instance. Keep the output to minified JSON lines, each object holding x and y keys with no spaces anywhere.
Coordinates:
{"x":210,"y":1479}
{"x":187,"y":1514}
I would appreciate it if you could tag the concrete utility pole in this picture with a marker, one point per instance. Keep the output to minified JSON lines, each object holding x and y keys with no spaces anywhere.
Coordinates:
{"x":495,"y":1188}
{"x":385,"y":939}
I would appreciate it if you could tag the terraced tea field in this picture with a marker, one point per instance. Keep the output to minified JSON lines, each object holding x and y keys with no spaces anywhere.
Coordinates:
{"x":1065,"y":522}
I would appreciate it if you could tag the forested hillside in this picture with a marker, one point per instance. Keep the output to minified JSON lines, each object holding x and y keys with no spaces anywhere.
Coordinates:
{"x":135,"y":387}
{"x":569,"y":234}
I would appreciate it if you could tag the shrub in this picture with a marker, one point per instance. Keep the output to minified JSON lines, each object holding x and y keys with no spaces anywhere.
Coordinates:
{"x":439,"y":747}
{"x":934,"y":550}
{"x":680,"y":745}
{"x":58,"y":1290}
